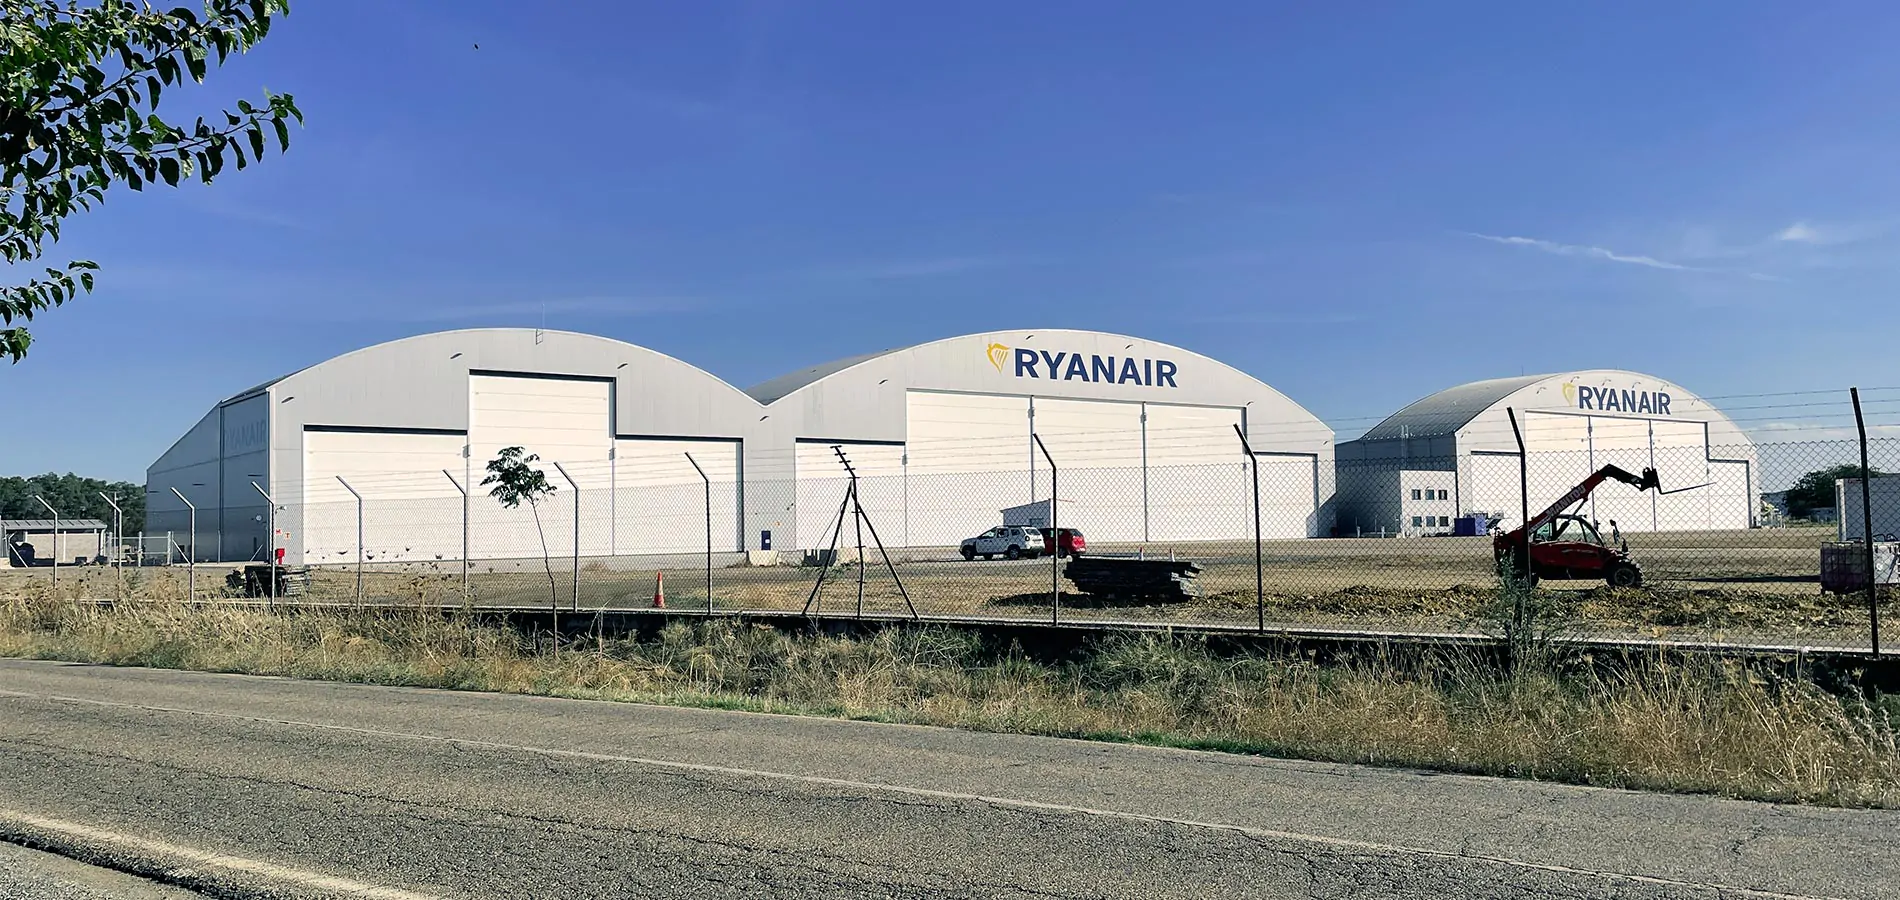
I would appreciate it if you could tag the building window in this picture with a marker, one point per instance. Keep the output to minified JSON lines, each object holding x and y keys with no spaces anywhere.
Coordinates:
{"x":1444,"y":495}
{"x":1415,"y":496}
{"x":1417,"y":521}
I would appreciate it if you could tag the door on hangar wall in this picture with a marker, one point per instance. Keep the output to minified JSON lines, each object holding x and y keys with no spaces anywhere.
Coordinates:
{"x":1198,"y":484}
{"x":969,"y":459}
{"x":411,"y":510}
{"x":1559,"y":455}
{"x":659,"y":500}
{"x":1623,"y":443}
{"x":560,"y":419}
{"x":1097,"y":449}
{"x":1681,"y":451}
{"x":821,"y":486}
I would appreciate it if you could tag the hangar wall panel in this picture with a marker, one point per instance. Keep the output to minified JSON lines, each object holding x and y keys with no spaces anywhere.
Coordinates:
{"x":659,"y":501}
{"x":969,"y":458}
{"x":1623,"y":443}
{"x":1681,"y":451}
{"x":1098,"y":445}
{"x":411,"y":511}
{"x":1199,"y":487}
{"x":563,"y":420}
{"x":881,"y":489}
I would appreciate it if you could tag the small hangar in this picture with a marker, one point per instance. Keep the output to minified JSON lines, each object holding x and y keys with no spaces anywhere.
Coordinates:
{"x":1454,"y":453}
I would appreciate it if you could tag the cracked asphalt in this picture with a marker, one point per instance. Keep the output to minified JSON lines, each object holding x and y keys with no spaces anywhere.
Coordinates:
{"x":258,"y":787}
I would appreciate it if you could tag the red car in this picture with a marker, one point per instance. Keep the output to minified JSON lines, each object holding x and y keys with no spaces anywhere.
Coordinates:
{"x":1072,"y":542}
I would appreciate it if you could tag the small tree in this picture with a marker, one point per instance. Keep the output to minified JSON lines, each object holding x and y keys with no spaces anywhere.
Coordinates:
{"x":517,"y":481}
{"x":1815,"y":490}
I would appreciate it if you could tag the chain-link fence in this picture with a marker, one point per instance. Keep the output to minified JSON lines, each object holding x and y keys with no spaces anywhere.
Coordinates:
{"x":1763,"y":543}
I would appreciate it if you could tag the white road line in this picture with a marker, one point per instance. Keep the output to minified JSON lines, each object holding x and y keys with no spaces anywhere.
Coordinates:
{"x":1004,"y":802}
{"x":165,"y":853}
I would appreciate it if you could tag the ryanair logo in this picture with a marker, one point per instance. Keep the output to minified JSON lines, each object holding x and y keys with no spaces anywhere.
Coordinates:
{"x":1022,"y":362}
{"x":1603,"y":399}
{"x":999,"y":354}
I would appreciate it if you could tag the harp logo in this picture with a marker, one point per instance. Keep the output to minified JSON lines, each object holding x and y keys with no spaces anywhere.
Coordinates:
{"x":999,"y":354}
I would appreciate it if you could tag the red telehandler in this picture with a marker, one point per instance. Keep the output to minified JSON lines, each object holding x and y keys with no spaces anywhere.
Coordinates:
{"x":1566,"y":546}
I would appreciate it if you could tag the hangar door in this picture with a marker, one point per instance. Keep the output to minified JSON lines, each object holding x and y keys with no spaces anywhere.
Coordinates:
{"x":659,"y":500}
{"x":1098,"y":445}
{"x":1199,"y":487}
{"x":1564,"y":449}
{"x":821,"y":486}
{"x":561,"y":419}
{"x":411,"y":510}
{"x":969,"y":458}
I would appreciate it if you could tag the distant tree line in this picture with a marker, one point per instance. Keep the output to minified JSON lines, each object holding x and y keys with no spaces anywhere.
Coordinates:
{"x":1815,"y":490}
{"x":74,"y":497}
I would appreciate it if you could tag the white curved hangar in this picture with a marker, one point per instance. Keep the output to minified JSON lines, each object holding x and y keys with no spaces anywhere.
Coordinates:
{"x":1142,"y":435}
{"x":409,"y":424}
{"x":1453,"y":454}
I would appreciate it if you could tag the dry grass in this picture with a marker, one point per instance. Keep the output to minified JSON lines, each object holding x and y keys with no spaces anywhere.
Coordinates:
{"x":1716,"y":728}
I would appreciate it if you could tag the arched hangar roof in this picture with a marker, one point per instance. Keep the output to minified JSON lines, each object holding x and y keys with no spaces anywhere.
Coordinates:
{"x":422,"y":381}
{"x":865,"y":394}
{"x":1477,"y":412}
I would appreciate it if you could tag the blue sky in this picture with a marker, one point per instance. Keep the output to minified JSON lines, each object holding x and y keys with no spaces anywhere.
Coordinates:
{"x":1357,"y":204}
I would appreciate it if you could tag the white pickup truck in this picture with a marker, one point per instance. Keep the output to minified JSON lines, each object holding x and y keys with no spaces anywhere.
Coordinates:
{"x":1009,"y":541}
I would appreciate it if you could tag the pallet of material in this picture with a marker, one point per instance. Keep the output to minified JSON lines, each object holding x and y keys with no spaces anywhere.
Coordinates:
{"x":1163,"y":579}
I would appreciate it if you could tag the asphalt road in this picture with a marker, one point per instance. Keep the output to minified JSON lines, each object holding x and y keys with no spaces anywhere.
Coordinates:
{"x":27,"y":874}
{"x":252,"y":787}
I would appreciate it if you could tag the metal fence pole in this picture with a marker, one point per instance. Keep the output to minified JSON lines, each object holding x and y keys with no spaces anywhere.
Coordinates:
{"x":1519,"y":612}
{"x":575,"y":602}
{"x":464,"y":492}
{"x":191,"y":558}
{"x":1055,"y":532}
{"x":1867,"y":527}
{"x":359,"y":538}
{"x":1259,"y":568}
{"x":270,"y":545}
{"x":118,"y":546}
{"x":708,"y":484}
{"x":55,"y":512}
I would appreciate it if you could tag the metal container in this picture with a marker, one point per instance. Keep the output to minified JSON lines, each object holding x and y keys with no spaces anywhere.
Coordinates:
{"x":1844,"y":565}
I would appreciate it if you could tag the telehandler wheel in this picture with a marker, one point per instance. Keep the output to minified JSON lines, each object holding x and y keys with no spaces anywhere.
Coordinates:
{"x":1624,"y":575}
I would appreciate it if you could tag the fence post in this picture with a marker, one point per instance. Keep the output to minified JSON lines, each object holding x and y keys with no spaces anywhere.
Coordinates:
{"x":118,"y":546}
{"x":575,"y":602}
{"x":464,"y":492}
{"x":55,"y":512}
{"x":708,"y":483}
{"x":1055,"y":532}
{"x":1867,"y":527}
{"x":359,"y":538}
{"x":1259,"y":573}
{"x":270,"y":546}
{"x":1518,"y":612}
{"x":191,"y":558}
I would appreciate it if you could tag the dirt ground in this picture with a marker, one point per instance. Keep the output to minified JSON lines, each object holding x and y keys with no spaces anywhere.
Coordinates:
{"x":1758,"y":585}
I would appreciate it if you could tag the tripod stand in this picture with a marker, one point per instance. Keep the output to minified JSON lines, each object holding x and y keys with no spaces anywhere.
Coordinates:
{"x":860,"y":521}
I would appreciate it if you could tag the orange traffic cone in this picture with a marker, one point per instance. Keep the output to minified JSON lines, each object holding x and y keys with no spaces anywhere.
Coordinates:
{"x":659,"y":590}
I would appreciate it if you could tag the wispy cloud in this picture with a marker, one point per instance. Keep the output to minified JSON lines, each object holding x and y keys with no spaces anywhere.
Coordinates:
{"x":1593,"y":252}
{"x":1800,"y":233}
{"x":1831,"y":234}
{"x":531,"y":311}
{"x":1608,"y":255}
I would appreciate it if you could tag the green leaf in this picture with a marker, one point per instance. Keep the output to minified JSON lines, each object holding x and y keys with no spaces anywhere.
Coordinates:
{"x":256,"y":135}
{"x":168,"y":169}
{"x":283,"y":134}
